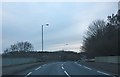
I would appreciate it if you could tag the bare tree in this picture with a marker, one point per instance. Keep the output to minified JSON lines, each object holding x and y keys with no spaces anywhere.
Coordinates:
{"x":20,"y":46}
{"x":102,"y":37}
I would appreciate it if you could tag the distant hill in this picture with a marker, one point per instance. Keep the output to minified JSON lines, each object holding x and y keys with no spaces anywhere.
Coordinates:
{"x":57,"y":55}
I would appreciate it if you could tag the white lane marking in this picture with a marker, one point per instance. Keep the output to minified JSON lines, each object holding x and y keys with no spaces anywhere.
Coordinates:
{"x":91,"y":69}
{"x":66,"y":73}
{"x":38,"y":68}
{"x":75,"y":62}
{"x":79,"y":65}
{"x":87,"y":67}
{"x":28,"y":74}
{"x":83,"y":66}
{"x":103,"y":73}
{"x":43,"y":65}
{"x":62,"y":67}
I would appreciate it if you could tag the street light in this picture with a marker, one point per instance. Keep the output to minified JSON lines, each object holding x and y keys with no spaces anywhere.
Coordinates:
{"x":42,"y":34}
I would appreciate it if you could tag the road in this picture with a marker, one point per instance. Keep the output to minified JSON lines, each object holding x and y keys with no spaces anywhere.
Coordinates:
{"x":67,"y":69}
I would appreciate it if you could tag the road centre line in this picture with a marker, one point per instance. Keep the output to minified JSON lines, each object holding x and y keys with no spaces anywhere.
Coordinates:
{"x":66,"y":73}
{"x":28,"y":74}
{"x":62,"y":67}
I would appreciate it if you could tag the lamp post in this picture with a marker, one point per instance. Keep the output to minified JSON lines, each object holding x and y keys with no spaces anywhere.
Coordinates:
{"x":42,"y":35}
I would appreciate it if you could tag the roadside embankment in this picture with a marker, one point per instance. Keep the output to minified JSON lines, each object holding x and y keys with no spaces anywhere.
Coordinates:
{"x":15,"y":61}
{"x":14,"y":69}
{"x":13,"y":65}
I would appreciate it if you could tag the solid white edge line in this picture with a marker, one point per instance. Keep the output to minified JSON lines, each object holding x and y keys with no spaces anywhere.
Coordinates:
{"x":83,"y":66}
{"x":38,"y":68}
{"x":103,"y":73}
{"x":28,"y":74}
{"x":67,"y":74}
{"x":87,"y":67}
{"x":77,"y":64}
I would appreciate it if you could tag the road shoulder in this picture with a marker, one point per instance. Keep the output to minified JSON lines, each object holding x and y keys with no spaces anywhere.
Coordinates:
{"x":107,"y":67}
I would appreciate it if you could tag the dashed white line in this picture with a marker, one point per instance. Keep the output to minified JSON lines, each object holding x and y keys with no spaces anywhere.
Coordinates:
{"x":67,"y":74}
{"x":87,"y":67}
{"x":103,"y":73}
{"x":65,"y":71}
{"x":63,"y":68}
{"x":38,"y":68}
{"x":28,"y":74}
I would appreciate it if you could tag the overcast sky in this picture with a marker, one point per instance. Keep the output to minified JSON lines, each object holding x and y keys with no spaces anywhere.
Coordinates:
{"x":68,"y":22}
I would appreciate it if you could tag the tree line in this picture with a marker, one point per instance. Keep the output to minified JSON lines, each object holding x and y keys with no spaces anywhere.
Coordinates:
{"x":19,"y":47}
{"x":102,"y":37}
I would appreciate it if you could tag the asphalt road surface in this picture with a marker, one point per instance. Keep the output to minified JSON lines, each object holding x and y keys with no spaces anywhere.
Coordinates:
{"x":67,"y":69}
